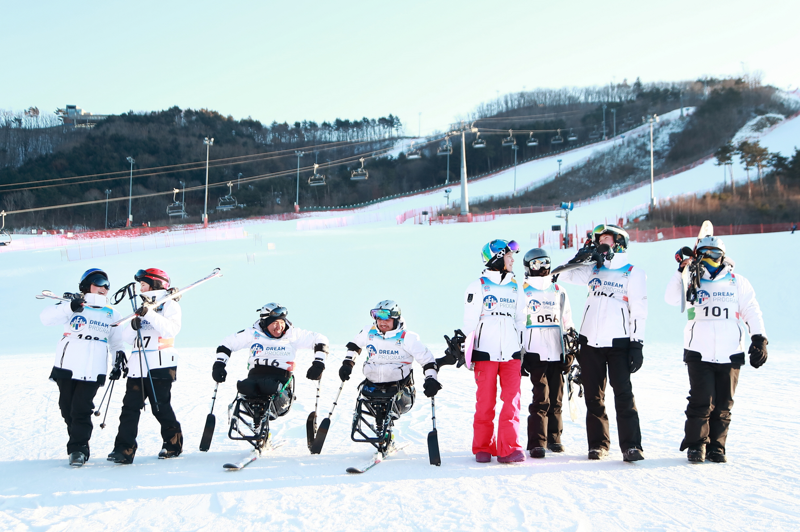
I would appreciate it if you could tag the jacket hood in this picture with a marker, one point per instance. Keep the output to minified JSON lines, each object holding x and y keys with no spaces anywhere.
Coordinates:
{"x":540,"y":283}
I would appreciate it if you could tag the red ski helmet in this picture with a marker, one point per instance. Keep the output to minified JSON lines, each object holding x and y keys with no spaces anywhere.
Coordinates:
{"x":157,"y":279}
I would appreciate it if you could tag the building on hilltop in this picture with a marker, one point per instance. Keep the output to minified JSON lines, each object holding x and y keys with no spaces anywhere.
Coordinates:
{"x":74,"y":116}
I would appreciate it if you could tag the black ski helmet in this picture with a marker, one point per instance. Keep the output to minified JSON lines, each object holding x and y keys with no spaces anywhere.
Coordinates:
{"x":93,"y":276}
{"x":620,"y":236}
{"x":536,"y":262}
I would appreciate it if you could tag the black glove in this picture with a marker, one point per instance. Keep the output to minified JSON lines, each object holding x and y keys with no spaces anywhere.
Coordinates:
{"x":635,"y":356}
{"x":431,"y":386}
{"x":136,"y":323}
{"x":529,"y":361}
{"x":120,"y":366}
{"x":346,"y":369}
{"x":567,"y":365}
{"x":218,"y":372}
{"x":314,"y":373}
{"x":141,"y":311}
{"x":583,"y":255}
{"x":77,"y":304}
{"x":758,"y":350}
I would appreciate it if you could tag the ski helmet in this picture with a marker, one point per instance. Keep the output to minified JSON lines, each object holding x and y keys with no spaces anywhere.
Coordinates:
{"x":711,"y":246}
{"x":536,"y":262}
{"x":157,"y":279}
{"x":272,"y":312}
{"x":493,"y":253}
{"x":620,"y":236}
{"x":93,"y":276}
{"x":385,"y":310}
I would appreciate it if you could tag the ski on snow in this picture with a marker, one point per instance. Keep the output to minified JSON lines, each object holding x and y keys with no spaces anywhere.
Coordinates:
{"x":377,"y":458}
{"x":252,"y":456}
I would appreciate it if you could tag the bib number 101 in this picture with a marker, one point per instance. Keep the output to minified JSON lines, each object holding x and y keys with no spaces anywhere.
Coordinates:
{"x":716,"y":312}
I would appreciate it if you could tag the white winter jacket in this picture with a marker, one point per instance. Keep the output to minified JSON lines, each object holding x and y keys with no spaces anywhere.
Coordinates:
{"x":492,"y":306}
{"x":541,"y":330}
{"x":715,"y":329}
{"x":390,"y":354}
{"x":617,"y":302}
{"x":88,"y":337}
{"x":268,"y":351}
{"x":159,"y":328}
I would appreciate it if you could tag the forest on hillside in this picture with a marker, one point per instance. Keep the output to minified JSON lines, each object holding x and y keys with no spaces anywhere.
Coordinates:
{"x":44,"y":163}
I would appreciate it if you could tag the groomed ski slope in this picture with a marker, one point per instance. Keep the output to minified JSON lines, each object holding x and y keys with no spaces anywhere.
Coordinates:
{"x":329,"y":280}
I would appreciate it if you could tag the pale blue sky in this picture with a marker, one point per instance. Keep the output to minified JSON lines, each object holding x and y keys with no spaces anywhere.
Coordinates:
{"x":322,"y":60}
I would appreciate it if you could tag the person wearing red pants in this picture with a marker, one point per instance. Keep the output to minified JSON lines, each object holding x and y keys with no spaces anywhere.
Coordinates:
{"x":492,"y":307}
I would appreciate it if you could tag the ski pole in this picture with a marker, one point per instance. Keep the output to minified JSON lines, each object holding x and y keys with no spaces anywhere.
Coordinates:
{"x":100,"y":406}
{"x":131,"y":289}
{"x":103,"y":424}
{"x":322,"y":432}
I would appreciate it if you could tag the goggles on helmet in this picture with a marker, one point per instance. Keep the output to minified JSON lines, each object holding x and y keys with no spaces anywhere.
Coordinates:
{"x":382,"y":314}
{"x":540,"y":264}
{"x":714,"y":254}
{"x":98,"y":279}
{"x":497,"y":248}
{"x":144,"y":275}
{"x":268,"y":311}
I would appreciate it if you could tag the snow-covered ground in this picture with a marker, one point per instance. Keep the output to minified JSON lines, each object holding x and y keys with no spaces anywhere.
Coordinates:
{"x":329,"y":280}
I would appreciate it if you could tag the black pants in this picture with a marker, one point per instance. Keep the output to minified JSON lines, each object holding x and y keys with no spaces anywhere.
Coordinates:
{"x":132,"y":405}
{"x":708,"y":414}
{"x":544,"y":422}
{"x":76,"y":404}
{"x":265,"y":387}
{"x":596,"y":363}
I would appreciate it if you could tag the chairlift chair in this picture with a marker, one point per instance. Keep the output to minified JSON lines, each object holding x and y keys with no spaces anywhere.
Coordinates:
{"x":509,"y":140}
{"x":572,"y":137}
{"x":413,"y":154}
{"x":316,"y":180}
{"x":5,"y":238}
{"x":227,"y":203}
{"x":478,"y":142}
{"x":594,"y":135}
{"x":445,"y":149}
{"x":176,"y":208}
{"x":532,"y":141}
{"x":359,"y":174}
{"x":558,"y":139}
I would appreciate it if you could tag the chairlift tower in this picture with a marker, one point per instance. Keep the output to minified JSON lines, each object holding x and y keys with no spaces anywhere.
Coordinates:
{"x":208,"y":142}
{"x":653,"y":118}
{"x":297,"y":195}
{"x":108,"y":191}
{"x":130,"y":194}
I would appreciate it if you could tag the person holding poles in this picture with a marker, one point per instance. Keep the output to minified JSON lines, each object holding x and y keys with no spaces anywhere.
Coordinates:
{"x":611,"y":337}
{"x":82,"y":356}
{"x":493,"y":305}
{"x":547,"y":314}
{"x":151,"y":370}
{"x":713,"y":350}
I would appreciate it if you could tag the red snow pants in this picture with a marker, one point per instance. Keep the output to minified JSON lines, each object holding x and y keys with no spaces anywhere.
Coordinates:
{"x":507,"y":440}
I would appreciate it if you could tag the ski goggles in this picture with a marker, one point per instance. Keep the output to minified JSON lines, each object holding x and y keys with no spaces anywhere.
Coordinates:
{"x":268,"y":311}
{"x":540,"y":264}
{"x":497,"y":248}
{"x":98,"y":279}
{"x":382,"y":314}
{"x":714,"y":254}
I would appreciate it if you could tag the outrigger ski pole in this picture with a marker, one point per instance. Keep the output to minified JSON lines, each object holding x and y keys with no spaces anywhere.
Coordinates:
{"x":130,"y":290}
{"x":311,"y":422}
{"x":322,"y":432}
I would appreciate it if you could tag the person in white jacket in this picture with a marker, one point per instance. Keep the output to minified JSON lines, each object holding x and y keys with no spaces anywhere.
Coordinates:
{"x":273,"y":343}
{"x":391,"y":350}
{"x":81,"y":361}
{"x":492,"y":305}
{"x":543,"y":358}
{"x":611,"y":337}
{"x":713,"y":347}
{"x":154,"y":359}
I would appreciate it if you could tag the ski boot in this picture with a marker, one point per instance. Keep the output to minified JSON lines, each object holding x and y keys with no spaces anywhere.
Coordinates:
{"x":77,"y":459}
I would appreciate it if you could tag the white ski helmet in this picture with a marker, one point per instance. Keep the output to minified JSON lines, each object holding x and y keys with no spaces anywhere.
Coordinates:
{"x":712,"y":246}
{"x":620,"y":236}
